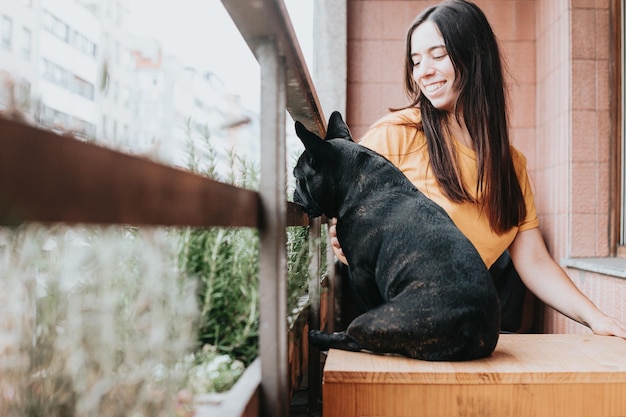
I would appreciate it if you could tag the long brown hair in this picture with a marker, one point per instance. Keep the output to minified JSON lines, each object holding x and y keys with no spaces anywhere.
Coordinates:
{"x":473,"y":50}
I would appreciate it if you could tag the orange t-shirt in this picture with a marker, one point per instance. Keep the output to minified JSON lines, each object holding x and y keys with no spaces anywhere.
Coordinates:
{"x":396,"y":137}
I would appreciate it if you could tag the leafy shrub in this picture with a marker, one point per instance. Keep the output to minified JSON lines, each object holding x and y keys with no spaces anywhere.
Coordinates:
{"x":225,"y":261}
{"x":213,"y":372}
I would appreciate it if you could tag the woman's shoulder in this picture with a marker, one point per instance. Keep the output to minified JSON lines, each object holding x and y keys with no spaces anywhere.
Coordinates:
{"x":399,"y":125}
{"x":410,"y":117}
{"x":397,"y":133}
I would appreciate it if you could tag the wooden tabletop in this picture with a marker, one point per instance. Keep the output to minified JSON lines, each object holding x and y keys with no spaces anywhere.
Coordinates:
{"x":523,"y":358}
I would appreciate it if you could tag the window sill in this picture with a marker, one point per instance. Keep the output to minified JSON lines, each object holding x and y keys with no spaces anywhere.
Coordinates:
{"x":615,"y":267}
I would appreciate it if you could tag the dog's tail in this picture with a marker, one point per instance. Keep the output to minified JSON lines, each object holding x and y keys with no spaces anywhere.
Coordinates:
{"x":337,"y":340}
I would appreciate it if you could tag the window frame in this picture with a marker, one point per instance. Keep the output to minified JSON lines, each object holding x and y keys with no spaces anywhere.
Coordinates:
{"x":617,"y":220}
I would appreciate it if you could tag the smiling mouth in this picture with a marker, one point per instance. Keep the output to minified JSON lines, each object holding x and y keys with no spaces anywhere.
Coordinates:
{"x":431,"y":88}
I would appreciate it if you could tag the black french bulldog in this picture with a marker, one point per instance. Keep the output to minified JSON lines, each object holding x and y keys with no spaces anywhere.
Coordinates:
{"x":425,"y":289}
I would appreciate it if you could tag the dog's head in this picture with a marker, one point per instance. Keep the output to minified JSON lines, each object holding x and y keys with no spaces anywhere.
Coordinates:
{"x":317,"y":168}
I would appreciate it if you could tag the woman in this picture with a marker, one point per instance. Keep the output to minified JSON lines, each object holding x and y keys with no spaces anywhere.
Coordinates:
{"x":452,"y":142}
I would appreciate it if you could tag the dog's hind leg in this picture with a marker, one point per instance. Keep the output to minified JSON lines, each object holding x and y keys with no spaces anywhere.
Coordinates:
{"x":412,"y":328}
{"x":338,"y":340}
{"x":404,"y":326}
{"x":386,"y":329}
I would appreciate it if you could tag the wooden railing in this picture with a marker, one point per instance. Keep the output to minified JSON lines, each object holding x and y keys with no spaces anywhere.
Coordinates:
{"x":45,"y":177}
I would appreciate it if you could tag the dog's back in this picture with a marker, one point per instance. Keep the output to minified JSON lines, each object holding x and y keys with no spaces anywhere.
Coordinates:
{"x":432,"y":281}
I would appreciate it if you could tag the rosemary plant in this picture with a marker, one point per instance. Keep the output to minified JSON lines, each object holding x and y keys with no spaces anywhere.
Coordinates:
{"x":225,"y":262}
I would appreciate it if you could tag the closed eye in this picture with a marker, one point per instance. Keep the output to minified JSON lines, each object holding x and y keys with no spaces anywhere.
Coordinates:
{"x":437,"y":53}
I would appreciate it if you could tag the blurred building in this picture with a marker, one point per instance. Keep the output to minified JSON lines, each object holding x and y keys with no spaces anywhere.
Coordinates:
{"x":72,"y":66}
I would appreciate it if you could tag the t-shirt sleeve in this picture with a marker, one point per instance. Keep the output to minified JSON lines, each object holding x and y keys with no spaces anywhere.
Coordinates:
{"x":395,"y":135}
{"x":531,"y":221}
{"x":378,"y":138}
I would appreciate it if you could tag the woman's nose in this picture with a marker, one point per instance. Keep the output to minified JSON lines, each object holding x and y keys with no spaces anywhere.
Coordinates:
{"x":425,"y":69}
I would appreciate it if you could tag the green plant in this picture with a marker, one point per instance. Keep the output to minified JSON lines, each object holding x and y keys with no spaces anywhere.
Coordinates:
{"x":225,"y":263}
{"x":213,"y":372}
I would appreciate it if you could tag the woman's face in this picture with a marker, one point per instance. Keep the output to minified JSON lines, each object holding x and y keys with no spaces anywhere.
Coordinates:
{"x":432,"y":68}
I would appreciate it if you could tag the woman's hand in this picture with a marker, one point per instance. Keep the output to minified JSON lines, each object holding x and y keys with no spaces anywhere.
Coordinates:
{"x":608,"y":326}
{"x":334,"y":242}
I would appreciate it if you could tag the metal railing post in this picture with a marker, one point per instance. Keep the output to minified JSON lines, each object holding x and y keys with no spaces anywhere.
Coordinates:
{"x":314,"y":377}
{"x":273,"y":339}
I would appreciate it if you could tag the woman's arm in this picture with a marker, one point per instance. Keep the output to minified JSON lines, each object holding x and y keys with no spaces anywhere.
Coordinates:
{"x":334,"y":242}
{"x":548,"y":281}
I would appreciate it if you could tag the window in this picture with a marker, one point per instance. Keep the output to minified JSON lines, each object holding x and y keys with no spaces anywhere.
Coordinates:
{"x":62,"y":31}
{"x":27,"y":40}
{"x":53,"y":25}
{"x":47,"y":20}
{"x":64,"y":78}
{"x":59,"y":120}
{"x":22,"y":93}
{"x":7,"y":32}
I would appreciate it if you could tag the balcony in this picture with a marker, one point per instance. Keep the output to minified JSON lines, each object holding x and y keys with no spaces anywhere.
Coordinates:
{"x":569,"y":375}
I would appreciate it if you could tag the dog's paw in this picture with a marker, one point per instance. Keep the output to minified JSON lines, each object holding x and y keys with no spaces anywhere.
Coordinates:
{"x":339,"y":340}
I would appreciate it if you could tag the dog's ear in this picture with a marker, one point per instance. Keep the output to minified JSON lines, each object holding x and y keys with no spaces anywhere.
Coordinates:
{"x":337,"y":128}
{"x":315,"y":145}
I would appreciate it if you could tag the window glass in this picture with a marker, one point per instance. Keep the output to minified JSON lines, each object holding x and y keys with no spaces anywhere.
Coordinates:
{"x":27,"y":40}
{"x":6,"y":31}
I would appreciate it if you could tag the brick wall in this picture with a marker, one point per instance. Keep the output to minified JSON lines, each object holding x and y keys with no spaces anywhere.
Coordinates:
{"x":558,"y":54}
{"x":574,"y":145}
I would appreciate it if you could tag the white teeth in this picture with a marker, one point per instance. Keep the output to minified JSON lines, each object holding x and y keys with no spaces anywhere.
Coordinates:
{"x":433,"y":87}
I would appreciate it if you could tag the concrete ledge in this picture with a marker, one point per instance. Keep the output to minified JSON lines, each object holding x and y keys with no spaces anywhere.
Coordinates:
{"x":528,"y":375}
{"x":615,"y":267}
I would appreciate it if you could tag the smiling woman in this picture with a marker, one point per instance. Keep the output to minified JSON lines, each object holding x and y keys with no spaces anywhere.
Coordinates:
{"x":432,"y":68}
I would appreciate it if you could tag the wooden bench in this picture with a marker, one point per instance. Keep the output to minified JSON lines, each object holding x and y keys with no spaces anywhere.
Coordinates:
{"x":528,"y":375}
